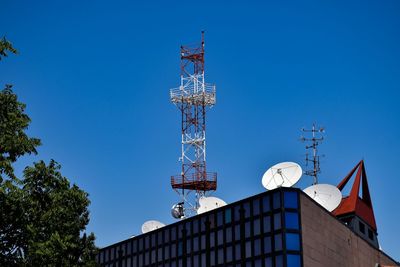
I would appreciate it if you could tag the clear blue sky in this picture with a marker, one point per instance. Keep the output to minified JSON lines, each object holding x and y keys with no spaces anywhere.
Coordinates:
{"x":96,"y":77}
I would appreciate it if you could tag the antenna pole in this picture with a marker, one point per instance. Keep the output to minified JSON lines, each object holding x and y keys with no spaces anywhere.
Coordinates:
{"x":313,"y":142}
{"x":193,"y":97}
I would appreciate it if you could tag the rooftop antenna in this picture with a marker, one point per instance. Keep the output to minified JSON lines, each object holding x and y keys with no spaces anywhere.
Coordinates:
{"x":312,"y":144}
{"x":193,"y":97}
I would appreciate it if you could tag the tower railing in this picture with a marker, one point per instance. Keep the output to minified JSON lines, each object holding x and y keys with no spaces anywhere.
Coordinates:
{"x":189,"y":94}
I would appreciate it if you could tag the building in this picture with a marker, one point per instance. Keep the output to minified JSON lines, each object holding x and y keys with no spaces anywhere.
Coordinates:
{"x":281,"y":227}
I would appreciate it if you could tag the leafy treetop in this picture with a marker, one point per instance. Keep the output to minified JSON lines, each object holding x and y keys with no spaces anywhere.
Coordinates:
{"x":6,"y":46}
{"x":14,"y":142}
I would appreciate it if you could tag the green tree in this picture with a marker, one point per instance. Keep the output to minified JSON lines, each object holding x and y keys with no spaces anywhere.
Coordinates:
{"x":62,"y":210}
{"x":6,"y":46}
{"x":42,"y":217}
{"x":14,"y":142}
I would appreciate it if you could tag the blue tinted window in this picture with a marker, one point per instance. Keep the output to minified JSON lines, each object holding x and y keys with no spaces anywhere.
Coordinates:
{"x":134,"y":246}
{"x":247,"y":230}
{"x":266,"y":204}
{"x":166,"y":235}
{"x":246,"y":207}
{"x":195,"y":226}
{"x":128,"y":249}
{"x":268,"y":262}
{"x":146,"y":258}
{"x":140,"y":259}
{"x":229,"y":254}
{"x":180,"y":230}
{"x":212,"y":257}
{"x":248,"y":249}
{"x":166,"y":253}
{"x":220,"y":256}
{"x":220,"y":237}
{"x":279,"y":261}
{"x":277,"y":221}
{"x":257,"y":247}
{"x":256,"y":207}
{"x":173,"y":233}
{"x":237,"y":232}
{"x":291,"y":220}
{"x":203,"y":259}
{"x":220,"y":218}
{"x":228,"y":234}
{"x":211,"y":219}
{"x":238,"y":251}
{"x":212,"y":239}
{"x":256,"y":227}
{"x":203,"y":223}
{"x":196,"y":243}
{"x":188,"y":245}
{"x":278,"y":242}
{"x":292,"y":241}
{"x":203,"y":242}
{"x":267,"y":224}
{"x":290,"y":200}
{"x":228,"y":216}
{"x":277,"y":200}
{"x":267,"y":244}
{"x":293,"y":260}
{"x":153,"y":256}
{"x":173,"y":251}
{"x":236,"y":211}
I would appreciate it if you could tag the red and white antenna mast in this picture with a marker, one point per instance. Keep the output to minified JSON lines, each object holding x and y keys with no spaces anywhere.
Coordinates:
{"x":193,"y":97}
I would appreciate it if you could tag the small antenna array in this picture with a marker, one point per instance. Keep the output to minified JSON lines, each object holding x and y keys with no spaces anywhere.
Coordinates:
{"x":312,"y":144}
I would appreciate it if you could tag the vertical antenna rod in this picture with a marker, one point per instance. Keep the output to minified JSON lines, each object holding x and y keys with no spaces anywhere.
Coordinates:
{"x":192,"y":98}
{"x":314,"y":141}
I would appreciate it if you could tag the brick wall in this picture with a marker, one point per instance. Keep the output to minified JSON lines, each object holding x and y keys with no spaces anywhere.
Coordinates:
{"x":327,"y":242}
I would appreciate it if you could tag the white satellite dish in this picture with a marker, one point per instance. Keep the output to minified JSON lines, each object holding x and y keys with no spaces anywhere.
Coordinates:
{"x":328,"y":196}
{"x":151,"y":226}
{"x":209,"y":203}
{"x":284,"y":174}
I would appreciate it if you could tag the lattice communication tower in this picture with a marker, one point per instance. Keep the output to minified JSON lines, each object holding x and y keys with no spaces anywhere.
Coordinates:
{"x":313,"y":142}
{"x":193,"y":97}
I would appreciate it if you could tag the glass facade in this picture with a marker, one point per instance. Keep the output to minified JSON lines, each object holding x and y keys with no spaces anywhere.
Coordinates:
{"x":261,"y":231}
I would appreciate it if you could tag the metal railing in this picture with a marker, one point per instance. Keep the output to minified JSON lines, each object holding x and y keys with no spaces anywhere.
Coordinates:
{"x":203,"y":181}
{"x":192,"y":91}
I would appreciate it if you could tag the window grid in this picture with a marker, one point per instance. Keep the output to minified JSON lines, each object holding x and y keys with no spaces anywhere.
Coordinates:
{"x":252,"y":231}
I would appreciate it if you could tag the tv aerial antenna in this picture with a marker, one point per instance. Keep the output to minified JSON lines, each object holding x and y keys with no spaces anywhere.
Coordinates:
{"x":312,"y":144}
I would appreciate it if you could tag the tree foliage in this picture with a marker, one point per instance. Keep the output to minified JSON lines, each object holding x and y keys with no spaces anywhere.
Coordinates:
{"x":6,"y":46}
{"x":14,"y":142}
{"x":43,"y":217}
{"x":62,"y":210}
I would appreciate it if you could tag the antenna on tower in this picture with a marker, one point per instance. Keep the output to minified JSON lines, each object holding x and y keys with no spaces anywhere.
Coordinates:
{"x":312,"y":144}
{"x":193,"y":97}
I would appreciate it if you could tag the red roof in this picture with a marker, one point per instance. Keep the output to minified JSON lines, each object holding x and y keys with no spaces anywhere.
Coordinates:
{"x":354,"y":204}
